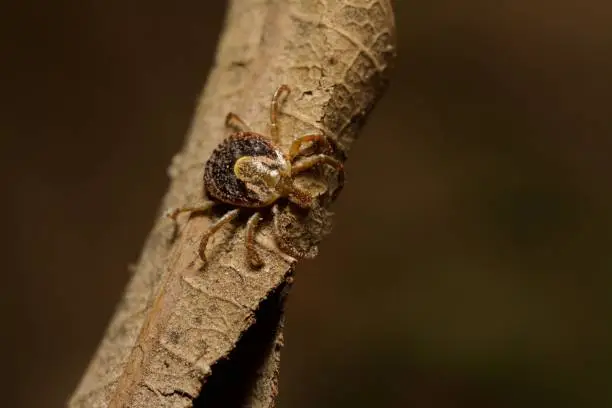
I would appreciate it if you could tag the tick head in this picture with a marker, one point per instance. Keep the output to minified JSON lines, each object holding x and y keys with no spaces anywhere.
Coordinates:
{"x":262,"y":175}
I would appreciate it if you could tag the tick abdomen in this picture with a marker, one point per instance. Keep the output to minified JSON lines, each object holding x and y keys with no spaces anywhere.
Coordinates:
{"x":219,"y":178}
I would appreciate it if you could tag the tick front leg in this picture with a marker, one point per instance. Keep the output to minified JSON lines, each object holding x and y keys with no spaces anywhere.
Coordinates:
{"x":294,"y":150}
{"x":311,"y":161}
{"x":235,"y":122}
{"x":228,"y":217}
{"x":274,"y":132}
{"x":252,"y":255}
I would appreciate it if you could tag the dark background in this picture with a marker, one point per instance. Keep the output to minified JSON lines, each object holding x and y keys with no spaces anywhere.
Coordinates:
{"x":470,"y":262}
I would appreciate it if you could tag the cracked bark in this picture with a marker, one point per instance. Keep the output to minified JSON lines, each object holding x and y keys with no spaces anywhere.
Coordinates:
{"x":182,"y":337}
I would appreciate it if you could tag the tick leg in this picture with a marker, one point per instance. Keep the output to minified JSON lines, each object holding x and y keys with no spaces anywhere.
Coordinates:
{"x":252,"y":255}
{"x":294,"y":150}
{"x":302,"y":198}
{"x":274,"y":133}
{"x":283,"y":245}
{"x":173,"y":213}
{"x":277,"y":228}
{"x":311,"y":161}
{"x":229,"y":216}
{"x":235,"y":122}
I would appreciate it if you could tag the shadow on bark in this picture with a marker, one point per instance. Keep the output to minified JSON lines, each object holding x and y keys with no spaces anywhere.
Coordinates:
{"x":233,"y":378}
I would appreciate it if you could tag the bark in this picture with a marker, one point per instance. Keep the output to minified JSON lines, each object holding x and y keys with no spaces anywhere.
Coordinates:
{"x":183,"y":336}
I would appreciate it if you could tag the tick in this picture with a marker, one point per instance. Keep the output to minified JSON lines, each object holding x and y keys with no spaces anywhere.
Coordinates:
{"x":250,"y":172}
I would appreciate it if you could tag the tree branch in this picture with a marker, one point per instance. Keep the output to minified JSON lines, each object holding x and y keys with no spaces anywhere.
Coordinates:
{"x":182,"y":336}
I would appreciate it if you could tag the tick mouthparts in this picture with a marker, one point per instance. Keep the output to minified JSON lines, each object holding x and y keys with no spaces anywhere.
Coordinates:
{"x":273,"y":177}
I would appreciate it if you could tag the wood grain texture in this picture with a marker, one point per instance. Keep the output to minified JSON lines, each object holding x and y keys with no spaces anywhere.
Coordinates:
{"x":177,"y":326}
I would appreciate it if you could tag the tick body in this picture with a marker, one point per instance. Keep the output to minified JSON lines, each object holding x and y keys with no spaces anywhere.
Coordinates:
{"x":245,"y":154}
{"x":250,"y":172}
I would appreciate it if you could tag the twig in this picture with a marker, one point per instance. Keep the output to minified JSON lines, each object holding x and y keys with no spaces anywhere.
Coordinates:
{"x":182,"y":336}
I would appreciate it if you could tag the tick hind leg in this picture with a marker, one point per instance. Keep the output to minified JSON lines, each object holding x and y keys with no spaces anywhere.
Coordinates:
{"x":173,"y":213}
{"x":235,"y":122}
{"x":229,"y":216}
{"x":274,"y":132}
{"x":252,"y":256}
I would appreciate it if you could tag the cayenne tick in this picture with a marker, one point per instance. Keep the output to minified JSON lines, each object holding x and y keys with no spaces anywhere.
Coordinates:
{"x":250,"y":172}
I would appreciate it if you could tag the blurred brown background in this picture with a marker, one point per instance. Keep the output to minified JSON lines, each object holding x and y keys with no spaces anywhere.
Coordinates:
{"x":470,"y":262}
